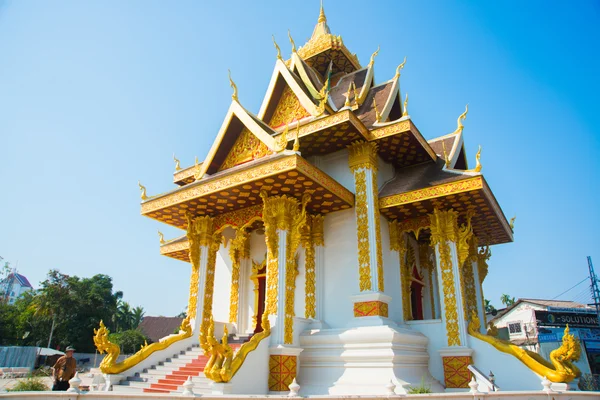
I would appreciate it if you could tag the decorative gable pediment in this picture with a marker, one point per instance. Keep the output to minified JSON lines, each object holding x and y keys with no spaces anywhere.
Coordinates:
{"x":247,"y":147}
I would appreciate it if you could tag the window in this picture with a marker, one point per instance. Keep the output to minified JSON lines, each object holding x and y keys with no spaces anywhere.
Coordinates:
{"x":514,"y":328}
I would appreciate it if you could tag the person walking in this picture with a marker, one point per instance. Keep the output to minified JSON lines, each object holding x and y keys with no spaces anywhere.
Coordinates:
{"x":64,"y":370}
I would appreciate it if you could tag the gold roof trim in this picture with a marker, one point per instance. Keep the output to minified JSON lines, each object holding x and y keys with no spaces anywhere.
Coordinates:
{"x":296,"y":62}
{"x":235,"y":109}
{"x":185,"y":175}
{"x":402,"y":126}
{"x":305,"y":101}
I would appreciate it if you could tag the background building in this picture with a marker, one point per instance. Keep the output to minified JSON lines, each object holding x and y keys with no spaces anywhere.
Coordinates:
{"x":13,"y":286}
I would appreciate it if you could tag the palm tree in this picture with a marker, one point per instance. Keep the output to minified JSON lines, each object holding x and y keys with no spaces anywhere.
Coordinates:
{"x":488,"y":306}
{"x":124,"y":316}
{"x":137,"y":316}
{"x":507,"y":300}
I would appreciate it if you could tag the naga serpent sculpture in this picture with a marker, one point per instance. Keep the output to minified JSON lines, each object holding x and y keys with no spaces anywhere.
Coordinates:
{"x":109,"y":364}
{"x":560,"y":368}
{"x":222,"y":365}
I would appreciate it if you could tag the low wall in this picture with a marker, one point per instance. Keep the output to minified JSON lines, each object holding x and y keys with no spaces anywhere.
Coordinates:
{"x":537,"y":395}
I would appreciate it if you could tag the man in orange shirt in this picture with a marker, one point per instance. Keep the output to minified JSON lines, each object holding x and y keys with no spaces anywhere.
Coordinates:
{"x":64,"y":370}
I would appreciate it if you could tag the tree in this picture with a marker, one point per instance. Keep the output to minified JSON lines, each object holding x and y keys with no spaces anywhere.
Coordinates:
{"x":488,"y":306}
{"x":137,"y":316}
{"x":507,"y":300}
{"x":130,"y":340}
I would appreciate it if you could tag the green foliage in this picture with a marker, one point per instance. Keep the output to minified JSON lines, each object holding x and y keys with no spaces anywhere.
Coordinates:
{"x":488,"y":306}
{"x":75,"y":304}
{"x":422,"y":388}
{"x":30,"y":384}
{"x":130,"y":341}
{"x":507,"y":300}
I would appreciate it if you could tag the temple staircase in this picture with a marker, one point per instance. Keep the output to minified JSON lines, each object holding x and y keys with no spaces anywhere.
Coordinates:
{"x":168,"y":376}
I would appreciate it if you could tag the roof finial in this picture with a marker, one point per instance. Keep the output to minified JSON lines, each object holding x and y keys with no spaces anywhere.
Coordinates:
{"x":278,"y":50}
{"x":161,"y":237}
{"x":177,"y":164}
{"x":234,"y":96}
{"x":446,"y":159}
{"x":400,"y":67}
{"x":296,"y":138}
{"x":322,"y":17}
{"x":143,"y":190}
{"x":405,"y":111}
{"x":292,"y":42}
{"x":197,"y":170}
{"x":373,"y":57}
{"x":512,"y":222}
{"x":461,"y":117}
{"x":348,"y":94}
{"x":478,"y":162}
{"x":377,"y":114}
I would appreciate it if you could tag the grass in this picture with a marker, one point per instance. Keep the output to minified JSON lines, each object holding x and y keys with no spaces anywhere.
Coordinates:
{"x":30,"y":384}
{"x":422,"y":388}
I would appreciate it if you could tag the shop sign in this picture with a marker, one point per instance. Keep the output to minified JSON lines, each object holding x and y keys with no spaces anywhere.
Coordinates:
{"x":551,"y":318}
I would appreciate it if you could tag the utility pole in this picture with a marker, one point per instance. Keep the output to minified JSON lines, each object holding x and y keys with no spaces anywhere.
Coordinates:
{"x":595,"y":290}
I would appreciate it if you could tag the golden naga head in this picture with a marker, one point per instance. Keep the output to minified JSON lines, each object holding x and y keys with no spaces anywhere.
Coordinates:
{"x":375,"y":54}
{"x":400,"y":68}
{"x":234,"y":95}
{"x":277,"y":48}
{"x":292,"y":42}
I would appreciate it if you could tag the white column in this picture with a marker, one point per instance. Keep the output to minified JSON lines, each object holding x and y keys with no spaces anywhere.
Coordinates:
{"x":438,"y":269}
{"x":278,"y":321}
{"x":319,"y":285}
{"x":479,"y":296}
{"x":371,"y":215}
{"x":242,"y":317}
{"x":462,"y":323}
{"x":201,"y":286}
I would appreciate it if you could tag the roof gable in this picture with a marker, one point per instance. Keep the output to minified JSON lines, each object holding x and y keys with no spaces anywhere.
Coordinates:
{"x":239,"y":128}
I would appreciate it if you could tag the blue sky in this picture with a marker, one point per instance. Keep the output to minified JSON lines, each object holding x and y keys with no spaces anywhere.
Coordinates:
{"x":96,"y":95}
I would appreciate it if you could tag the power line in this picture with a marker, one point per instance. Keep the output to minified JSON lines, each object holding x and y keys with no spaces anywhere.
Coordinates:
{"x":571,"y":288}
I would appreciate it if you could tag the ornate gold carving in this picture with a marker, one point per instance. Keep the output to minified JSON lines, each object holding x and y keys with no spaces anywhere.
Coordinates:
{"x":414,"y":225}
{"x":405,"y":111}
{"x":400,"y":127}
{"x":308,"y":242}
{"x":362,"y":223}
{"x":370,"y":309}
{"x":317,"y":230}
{"x":433,"y":192}
{"x":443,"y":231}
{"x":161,"y":238}
{"x":483,"y":256}
{"x":143,"y":190}
{"x":288,"y":109}
{"x":377,"y":221}
{"x":247,"y":147}
{"x":400,"y":68}
{"x":464,"y":235}
{"x":237,"y":251}
{"x":109,"y":364}
{"x":377,"y":113}
{"x":324,"y":94}
{"x":446,"y":158}
{"x":234,"y":95}
{"x":238,"y":218}
{"x":478,"y":162}
{"x":326,"y":42}
{"x":362,"y":155}
{"x":209,"y":287}
{"x":277,"y":48}
{"x":177,"y":163}
{"x":292,"y":41}
{"x":222,"y":365}
{"x":559,"y":369}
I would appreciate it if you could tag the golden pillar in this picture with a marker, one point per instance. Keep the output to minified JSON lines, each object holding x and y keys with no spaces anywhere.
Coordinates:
{"x":238,"y":250}
{"x":204,"y":244}
{"x":452,"y":248}
{"x":398,"y":243}
{"x":312,"y":236}
{"x":362,"y":160}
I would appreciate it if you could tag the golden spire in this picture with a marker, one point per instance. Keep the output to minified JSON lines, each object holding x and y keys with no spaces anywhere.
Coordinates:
{"x":377,"y":114}
{"x":161,"y":237}
{"x":375,"y":53}
{"x":356,"y":94}
{"x":278,"y":50}
{"x":348,"y":94}
{"x":478,"y":162}
{"x":322,"y":17}
{"x":461,"y":117}
{"x":177,"y":164}
{"x":405,"y":111}
{"x":399,"y":68}
{"x":283,"y":138}
{"x":512,"y":223}
{"x":196,"y":169}
{"x":446,"y":159}
{"x":143,"y":189}
{"x":234,"y":95}
{"x":296,"y":138}
{"x":292,"y":42}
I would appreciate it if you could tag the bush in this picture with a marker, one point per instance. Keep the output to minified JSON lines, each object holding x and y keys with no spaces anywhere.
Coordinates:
{"x":30,"y":384}
{"x":422,"y":388}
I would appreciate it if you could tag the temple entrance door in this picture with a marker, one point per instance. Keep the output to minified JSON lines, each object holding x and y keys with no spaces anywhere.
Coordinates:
{"x":259,"y":278}
{"x":416,"y":295}
{"x":262,"y":284}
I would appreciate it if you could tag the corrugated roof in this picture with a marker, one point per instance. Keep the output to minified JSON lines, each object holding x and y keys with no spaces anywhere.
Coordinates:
{"x":158,"y":327}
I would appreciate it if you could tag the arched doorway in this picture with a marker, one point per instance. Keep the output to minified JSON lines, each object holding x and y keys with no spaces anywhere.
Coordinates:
{"x":258,"y":277}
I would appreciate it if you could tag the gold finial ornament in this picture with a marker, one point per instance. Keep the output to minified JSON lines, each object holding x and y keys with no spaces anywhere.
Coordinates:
{"x":348,"y":94}
{"x":399,"y":68}
{"x":234,"y":95}
{"x":446,"y":159}
{"x":324,"y":92}
{"x":375,"y":53}
{"x":356,"y":95}
{"x":461,"y":117}
{"x":405,"y":111}
{"x":177,"y":164}
{"x":512,"y":223}
{"x":478,"y":160}
{"x":322,"y":17}
{"x":296,"y":138}
{"x":143,"y":189}
{"x":377,"y":114}
{"x":196,"y":169}
{"x":283,"y":139}
{"x":161,"y":237}
{"x":292,"y":42}
{"x":276,"y":47}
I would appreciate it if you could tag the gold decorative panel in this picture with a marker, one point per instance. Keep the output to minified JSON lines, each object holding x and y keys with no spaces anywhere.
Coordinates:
{"x":246,"y":148}
{"x":288,"y":109}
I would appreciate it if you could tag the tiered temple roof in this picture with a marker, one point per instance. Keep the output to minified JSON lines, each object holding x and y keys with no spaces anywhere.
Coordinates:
{"x":318,"y":102}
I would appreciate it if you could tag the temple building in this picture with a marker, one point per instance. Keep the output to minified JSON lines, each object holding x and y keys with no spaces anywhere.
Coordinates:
{"x":330,"y":242}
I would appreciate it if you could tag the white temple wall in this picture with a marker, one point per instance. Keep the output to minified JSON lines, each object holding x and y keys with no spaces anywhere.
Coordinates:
{"x":341,"y":268}
{"x":222,"y":287}
{"x":391,"y":273}
{"x":385,"y":172}
{"x":432,"y":328}
{"x":336,"y":166}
